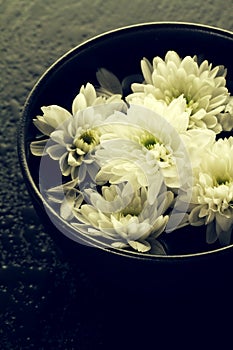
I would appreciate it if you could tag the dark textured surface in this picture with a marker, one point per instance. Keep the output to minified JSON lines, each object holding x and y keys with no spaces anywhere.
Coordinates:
{"x":43,"y":304}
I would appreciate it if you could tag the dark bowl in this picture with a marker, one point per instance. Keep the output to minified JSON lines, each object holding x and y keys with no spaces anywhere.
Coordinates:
{"x":191,"y":265}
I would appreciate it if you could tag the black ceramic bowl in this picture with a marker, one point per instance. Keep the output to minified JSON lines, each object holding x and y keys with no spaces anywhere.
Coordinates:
{"x":189,"y":266}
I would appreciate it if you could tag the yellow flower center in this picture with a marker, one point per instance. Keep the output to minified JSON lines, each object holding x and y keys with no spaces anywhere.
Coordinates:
{"x":222,"y":181}
{"x":89,"y":137}
{"x":148,"y":141}
{"x":87,"y":141}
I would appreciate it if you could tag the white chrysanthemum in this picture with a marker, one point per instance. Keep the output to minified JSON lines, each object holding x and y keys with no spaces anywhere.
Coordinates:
{"x":134,"y":222}
{"x":73,"y":139}
{"x":53,"y":116}
{"x":148,"y":133}
{"x":77,"y":137}
{"x":117,"y":215}
{"x":203,"y":87}
{"x":212,"y":202}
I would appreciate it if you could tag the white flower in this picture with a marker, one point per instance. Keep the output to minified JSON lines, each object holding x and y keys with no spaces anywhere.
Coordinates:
{"x":212,"y":202}
{"x":71,"y":141}
{"x":117,"y":215}
{"x":54,"y":116}
{"x":76,"y":137}
{"x":202,"y":86}
{"x":151,"y":134}
{"x":134,"y":223}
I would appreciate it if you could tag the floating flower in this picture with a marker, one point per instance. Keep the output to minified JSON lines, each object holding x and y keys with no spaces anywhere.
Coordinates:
{"x":151,"y":133}
{"x":212,"y":202}
{"x":134,"y":222}
{"x":76,"y":137}
{"x":54,"y":116}
{"x":203,"y":87}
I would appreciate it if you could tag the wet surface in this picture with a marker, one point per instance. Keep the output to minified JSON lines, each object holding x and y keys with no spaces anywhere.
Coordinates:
{"x":43,"y":304}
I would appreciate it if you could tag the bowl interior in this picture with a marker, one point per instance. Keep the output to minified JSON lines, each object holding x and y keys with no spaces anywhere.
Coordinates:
{"x":120,"y":51}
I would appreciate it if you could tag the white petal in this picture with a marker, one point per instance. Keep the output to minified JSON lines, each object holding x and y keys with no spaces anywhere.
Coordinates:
{"x":79,"y":103}
{"x":55,"y":115}
{"x":141,"y":247}
{"x":37,"y":147}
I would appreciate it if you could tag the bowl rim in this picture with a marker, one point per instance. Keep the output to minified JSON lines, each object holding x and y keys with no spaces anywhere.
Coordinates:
{"x":32,"y":187}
